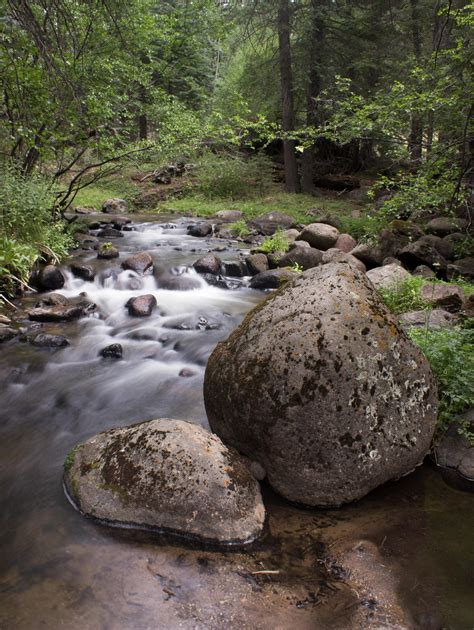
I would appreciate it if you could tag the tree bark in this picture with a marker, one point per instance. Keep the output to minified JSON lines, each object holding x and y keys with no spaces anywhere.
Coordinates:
{"x":415,"y":141}
{"x":288,"y":114}
{"x":142,"y":118}
{"x":314,"y":88}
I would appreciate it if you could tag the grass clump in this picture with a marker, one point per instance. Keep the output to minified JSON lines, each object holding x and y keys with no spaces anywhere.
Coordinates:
{"x":405,"y":296}
{"x":276,"y":244}
{"x":240,"y":228}
{"x":28,"y":228}
{"x":451,"y":356}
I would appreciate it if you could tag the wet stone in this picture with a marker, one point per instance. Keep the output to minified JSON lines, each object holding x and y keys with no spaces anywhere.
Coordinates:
{"x":44,"y":340}
{"x":141,"y":262}
{"x":50,"y":278}
{"x":107,"y":252}
{"x":166,"y":476}
{"x":83,"y":271}
{"x":141,"y":306}
{"x":114,"y":351}
{"x":59,"y":313}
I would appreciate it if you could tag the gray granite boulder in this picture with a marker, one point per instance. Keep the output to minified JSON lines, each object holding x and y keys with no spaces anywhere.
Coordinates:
{"x":168,"y":476}
{"x":320,"y":235}
{"x":321,"y":386}
{"x":388,"y":277}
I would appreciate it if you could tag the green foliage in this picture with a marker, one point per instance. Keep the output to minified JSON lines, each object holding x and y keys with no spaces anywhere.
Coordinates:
{"x":276,"y":244}
{"x":364,"y":228}
{"x":240,"y":228}
{"x":28,"y":228}
{"x":405,"y":297}
{"x":296,"y":267}
{"x":232,"y":176}
{"x":451,"y":356}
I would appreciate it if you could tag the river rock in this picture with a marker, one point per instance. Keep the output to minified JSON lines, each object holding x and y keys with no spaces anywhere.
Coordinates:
{"x":200,"y":230}
{"x":44,"y":340}
{"x":446,"y":296}
{"x":107,"y":251}
{"x":114,"y":351}
{"x":455,"y":454}
{"x":270,"y":222}
{"x":86,"y":241}
{"x":50,"y":278}
{"x":463,"y":267}
{"x":319,"y":235}
{"x":442,"y":226}
{"x":83,"y":271}
{"x":6,"y":333}
{"x":178,"y":283}
{"x":441,"y":245}
{"x":346,"y":243}
{"x":58,"y":313}
{"x":256,"y":263}
{"x":53,"y":299}
{"x":235,"y":268}
{"x":272,"y":279}
{"x":334,"y":255}
{"x":422,"y":253}
{"x":229,"y":216}
{"x":110,"y":232}
{"x":141,"y":306}
{"x":168,"y":476}
{"x":371,"y":256}
{"x":210,"y":263}
{"x":141,"y":262}
{"x":322,"y":387}
{"x":115,"y":206}
{"x":305,"y":257}
{"x":437,"y":318}
{"x":388,"y":277}
{"x":423,"y":271}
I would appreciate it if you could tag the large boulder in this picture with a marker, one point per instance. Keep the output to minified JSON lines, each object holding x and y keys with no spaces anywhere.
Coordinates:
{"x":371,"y":256}
{"x":141,"y":262}
{"x":442,"y":226}
{"x":442,"y":246}
{"x":256,"y":263}
{"x":200,"y":229}
{"x":320,"y":235}
{"x":210,"y":263}
{"x":322,"y":387}
{"x":168,"y":476}
{"x":422,"y":253}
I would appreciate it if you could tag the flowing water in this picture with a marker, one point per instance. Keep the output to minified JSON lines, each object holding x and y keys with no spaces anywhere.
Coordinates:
{"x":61,"y":571}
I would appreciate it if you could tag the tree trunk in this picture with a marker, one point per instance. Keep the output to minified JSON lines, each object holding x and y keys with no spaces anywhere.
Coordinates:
{"x":142,"y":118}
{"x":415,"y":141}
{"x":288,"y":114}
{"x":314,"y":87}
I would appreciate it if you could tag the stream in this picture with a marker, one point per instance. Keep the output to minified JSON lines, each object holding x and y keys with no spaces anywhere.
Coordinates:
{"x":59,"y":570}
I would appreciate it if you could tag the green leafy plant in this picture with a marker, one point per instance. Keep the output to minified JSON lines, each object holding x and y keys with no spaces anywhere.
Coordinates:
{"x":276,"y":244}
{"x":240,"y":228}
{"x":405,"y":296}
{"x":296,"y":267}
{"x":451,"y":356}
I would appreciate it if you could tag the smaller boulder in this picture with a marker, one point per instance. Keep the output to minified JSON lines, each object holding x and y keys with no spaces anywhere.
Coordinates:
{"x":437,"y":318}
{"x":114,"y":351}
{"x":320,"y":235}
{"x":200,"y":230}
{"x":208,"y":264}
{"x":53,"y":299}
{"x":86,"y":241}
{"x":141,"y":263}
{"x":256,"y":263}
{"x":388,"y":276}
{"x":107,"y":251}
{"x":50,"y":278}
{"x":268,"y":223}
{"x":448,"y":297}
{"x":58,"y":313}
{"x":441,"y":245}
{"x":234,"y":269}
{"x":229,"y":216}
{"x":422,"y":253}
{"x":369,"y":255}
{"x":115,"y":206}
{"x":272,"y":279}
{"x":442,"y":226}
{"x":6,"y":333}
{"x":110,"y":232}
{"x":463,"y":267}
{"x":424,"y":271}
{"x":141,"y":306}
{"x":83,"y":271}
{"x":43,"y":340}
{"x":305,"y":257}
{"x":454,"y":454}
{"x":298,"y":244}
{"x":346,"y":243}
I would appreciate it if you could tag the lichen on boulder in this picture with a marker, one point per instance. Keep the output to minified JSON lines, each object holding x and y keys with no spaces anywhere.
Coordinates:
{"x":168,"y":476}
{"x":322,"y":387}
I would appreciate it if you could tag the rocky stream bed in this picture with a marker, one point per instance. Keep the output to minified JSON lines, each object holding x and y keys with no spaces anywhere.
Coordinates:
{"x":401,"y":557}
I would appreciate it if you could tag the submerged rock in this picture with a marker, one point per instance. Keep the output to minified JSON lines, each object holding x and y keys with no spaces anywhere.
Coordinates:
{"x":322,"y":387}
{"x":168,"y":476}
{"x":114,"y":351}
{"x":44,"y":340}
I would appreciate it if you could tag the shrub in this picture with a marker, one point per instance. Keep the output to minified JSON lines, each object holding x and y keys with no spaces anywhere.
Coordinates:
{"x":232,"y":176}
{"x":451,"y":355}
{"x":28,"y":227}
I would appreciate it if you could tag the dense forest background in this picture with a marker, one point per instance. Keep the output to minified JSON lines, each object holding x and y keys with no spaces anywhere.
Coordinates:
{"x":312,"y":92}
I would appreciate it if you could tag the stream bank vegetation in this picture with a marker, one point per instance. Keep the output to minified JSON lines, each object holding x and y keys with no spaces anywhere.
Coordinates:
{"x":359,"y":111}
